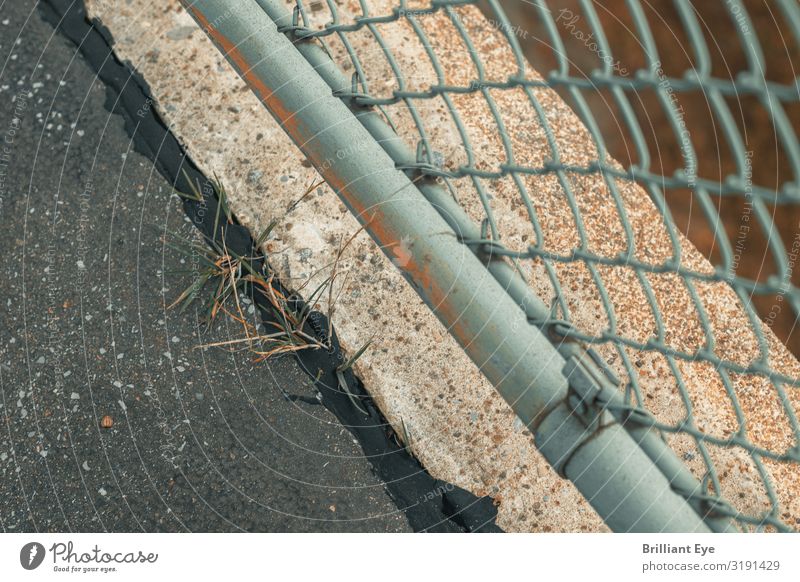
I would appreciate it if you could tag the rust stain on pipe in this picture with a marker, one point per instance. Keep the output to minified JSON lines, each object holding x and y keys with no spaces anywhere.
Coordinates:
{"x":420,"y":274}
{"x":267,"y":96}
{"x":376,"y":225}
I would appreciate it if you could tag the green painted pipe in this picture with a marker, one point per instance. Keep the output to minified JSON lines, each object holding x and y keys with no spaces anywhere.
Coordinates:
{"x":522,"y":364}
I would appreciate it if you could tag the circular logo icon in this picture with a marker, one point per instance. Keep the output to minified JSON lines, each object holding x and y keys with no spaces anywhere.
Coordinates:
{"x":31,"y":555}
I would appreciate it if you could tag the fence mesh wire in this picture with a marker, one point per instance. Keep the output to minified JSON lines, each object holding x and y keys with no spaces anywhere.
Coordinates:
{"x":690,"y":336}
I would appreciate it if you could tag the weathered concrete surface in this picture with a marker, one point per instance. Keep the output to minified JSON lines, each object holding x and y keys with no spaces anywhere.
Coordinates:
{"x":202,"y":440}
{"x":460,"y":428}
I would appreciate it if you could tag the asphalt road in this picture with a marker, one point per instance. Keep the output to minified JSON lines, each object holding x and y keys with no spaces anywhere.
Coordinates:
{"x":202,"y":439}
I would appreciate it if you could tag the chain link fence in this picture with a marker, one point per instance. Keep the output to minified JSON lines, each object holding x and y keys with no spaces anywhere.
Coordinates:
{"x":652,"y":336}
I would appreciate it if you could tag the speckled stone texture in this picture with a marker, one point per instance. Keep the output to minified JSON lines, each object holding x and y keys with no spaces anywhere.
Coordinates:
{"x":460,"y":428}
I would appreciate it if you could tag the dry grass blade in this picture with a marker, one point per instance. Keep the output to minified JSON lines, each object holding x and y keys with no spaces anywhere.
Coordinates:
{"x":305,"y":195}
{"x":226,"y":275}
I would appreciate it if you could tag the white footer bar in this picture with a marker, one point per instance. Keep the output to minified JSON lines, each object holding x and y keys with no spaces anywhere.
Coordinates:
{"x":390,"y":557}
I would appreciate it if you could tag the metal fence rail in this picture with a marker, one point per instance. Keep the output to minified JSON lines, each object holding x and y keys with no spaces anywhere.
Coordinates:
{"x":594,"y":428}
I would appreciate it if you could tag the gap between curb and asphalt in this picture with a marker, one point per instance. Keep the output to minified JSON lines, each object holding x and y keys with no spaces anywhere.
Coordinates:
{"x":429,"y":504}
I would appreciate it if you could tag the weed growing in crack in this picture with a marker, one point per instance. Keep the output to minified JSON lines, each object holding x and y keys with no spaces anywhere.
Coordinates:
{"x":225,"y":278}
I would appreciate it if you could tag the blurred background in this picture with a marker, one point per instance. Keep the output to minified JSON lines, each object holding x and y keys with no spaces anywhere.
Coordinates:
{"x":726,"y":25}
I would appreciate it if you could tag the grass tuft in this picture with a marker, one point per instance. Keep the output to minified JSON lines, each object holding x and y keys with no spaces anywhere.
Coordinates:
{"x":224,"y":277}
